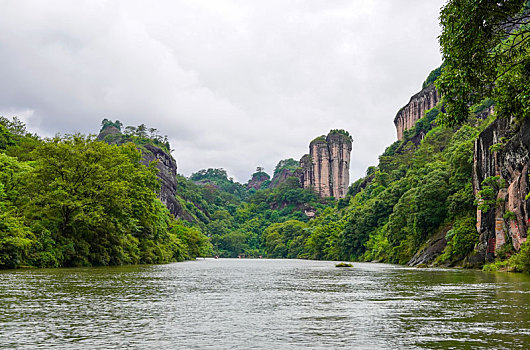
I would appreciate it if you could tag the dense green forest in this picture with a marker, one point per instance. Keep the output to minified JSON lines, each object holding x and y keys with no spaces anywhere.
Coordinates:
{"x":77,"y":201}
{"x":236,"y":218}
{"x":422,"y":186}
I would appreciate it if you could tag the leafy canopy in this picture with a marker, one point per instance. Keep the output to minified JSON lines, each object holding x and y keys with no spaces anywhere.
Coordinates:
{"x":486,"y":54}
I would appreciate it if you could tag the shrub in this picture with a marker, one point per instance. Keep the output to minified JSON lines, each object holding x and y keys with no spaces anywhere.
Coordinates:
{"x":521,"y":261}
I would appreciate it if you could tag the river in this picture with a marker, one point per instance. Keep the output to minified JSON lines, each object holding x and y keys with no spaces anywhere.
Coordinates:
{"x":263,"y":304}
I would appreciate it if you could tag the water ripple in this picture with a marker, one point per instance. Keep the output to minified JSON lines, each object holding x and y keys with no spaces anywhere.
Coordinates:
{"x":263,"y":304}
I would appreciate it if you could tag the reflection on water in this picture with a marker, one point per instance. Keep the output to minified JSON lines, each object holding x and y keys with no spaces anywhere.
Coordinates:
{"x":263,"y":304}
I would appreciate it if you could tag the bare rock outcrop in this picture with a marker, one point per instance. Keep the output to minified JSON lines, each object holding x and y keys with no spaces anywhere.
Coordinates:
{"x":431,"y":249}
{"x":502,"y":149}
{"x":407,"y":116}
{"x":326,"y":168}
{"x":167,"y":172}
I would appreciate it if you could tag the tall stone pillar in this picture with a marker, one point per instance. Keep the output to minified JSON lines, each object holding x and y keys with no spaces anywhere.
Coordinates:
{"x":326,"y":167}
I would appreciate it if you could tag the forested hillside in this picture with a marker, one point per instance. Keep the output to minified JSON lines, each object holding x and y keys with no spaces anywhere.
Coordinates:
{"x":454,"y":190}
{"x":75,"y":201}
{"x":420,"y":204}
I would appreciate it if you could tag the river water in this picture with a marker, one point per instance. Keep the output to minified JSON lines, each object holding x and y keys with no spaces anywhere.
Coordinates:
{"x":263,"y":304}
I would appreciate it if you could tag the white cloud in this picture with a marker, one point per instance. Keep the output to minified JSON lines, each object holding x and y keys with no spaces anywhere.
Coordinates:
{"x":234,"y":84}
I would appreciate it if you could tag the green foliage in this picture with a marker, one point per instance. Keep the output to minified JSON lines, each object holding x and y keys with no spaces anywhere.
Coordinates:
{"x":81,"y":202}
{"x":487,"y":196}
{"x":286,"y":164}
{"x":238,"y":228}
{"x":105,"y":123}
{"x":15,"y":126}
{"x":391,"y":150}
{"x":320,"y":139}
{"x":341,"y":132}
{"x":285,"y":240}
{"x":496,"y":266}
{"x":260,"y":174}
{"x":342,"y":264}
{"x":461,"y":239}
{"x":324,"y":233}
{"x":486,"y":54}
{"x":15,"y":141}
{"x":16,"y":240}
{"x":218,"y":178}
{"x":426,"y":123}
{"x":433,"y":75}
{"x":496,"y":147}
{"x":521,"y":261}
{"x":509,"y":215}
{"x":377,"y":246}
{"x":140,"y":135}
{"x":482,"y":106}
{"x":406,"y":199}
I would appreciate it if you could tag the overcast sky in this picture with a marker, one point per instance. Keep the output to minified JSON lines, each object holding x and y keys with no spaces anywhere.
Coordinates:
{"x":234,"y":84}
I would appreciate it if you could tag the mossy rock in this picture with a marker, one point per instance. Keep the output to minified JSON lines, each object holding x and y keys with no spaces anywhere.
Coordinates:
{"x":343,"y":265}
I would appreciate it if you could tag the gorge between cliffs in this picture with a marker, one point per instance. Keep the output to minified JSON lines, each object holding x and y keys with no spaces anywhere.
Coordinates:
{"x":440,"y":196}
{"x":105,"y":244}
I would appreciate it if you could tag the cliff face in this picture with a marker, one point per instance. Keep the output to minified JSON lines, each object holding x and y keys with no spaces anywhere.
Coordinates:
{"x":415,"y":109}
{"x":282,"y":176}
{"x":508,"y":220}
{"x":326,"y":167}
{"x":257,"y":180}
{"x":167,"y":172}
{"x":284,"y":170}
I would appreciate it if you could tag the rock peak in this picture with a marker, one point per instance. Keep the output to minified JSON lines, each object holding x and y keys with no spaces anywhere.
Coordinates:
{"x":326,"y":168}
{"x":407,"y":116}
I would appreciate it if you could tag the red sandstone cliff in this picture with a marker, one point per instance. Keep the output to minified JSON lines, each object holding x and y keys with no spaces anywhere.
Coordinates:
{"x":415,"y":109}
{"x":507,"y":220}
{"x":326,"y":167}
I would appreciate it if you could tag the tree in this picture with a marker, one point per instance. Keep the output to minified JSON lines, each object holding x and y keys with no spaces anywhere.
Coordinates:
{"x":278,"y":238}
{"x":105,"y":123}
{"x":153,"y":133}
{"x":141,"y":131}
{"x":16,"y":238}
{"x":15,"y":125}
{"x":130,"y":130}
{"x":93,"y":197}
{"x":486,"y":54}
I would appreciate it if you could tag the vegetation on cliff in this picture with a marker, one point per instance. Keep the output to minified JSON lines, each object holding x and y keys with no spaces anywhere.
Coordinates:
{"x":342,"y":132}
{"x":75,"y":201}
{"x":486,"y":52}
{"x":422,"y":187}
{"x":218,"y":178}
{"x":112,"y":133}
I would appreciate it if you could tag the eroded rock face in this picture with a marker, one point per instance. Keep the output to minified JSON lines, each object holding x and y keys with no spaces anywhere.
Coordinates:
{"x":109,"y":130}
{"x":432,"y":249}
{"x":339,"y":151}
{"x":414,"y":110}
{"x":508,"y":220}
{"x":282,"y":176}
{"x":326,"y":167}
{"x":257,"y":181}
{"x":167,"y":172}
